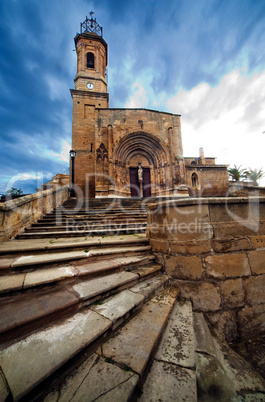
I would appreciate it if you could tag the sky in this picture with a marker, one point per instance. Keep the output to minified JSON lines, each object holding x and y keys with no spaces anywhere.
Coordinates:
{"x":203,"y":59}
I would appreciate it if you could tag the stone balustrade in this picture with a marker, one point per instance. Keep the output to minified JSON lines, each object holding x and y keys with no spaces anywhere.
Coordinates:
{"x":214,"y":251}
{"x":21,"y":212}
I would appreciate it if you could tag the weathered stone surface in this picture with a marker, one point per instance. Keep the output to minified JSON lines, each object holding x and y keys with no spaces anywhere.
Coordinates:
{"x":134,"y":342}
{"x":257,"y":261}
{"x":166,"y":296}
{"x":160,"y":246}
{"x":97,"y":267}
{"x":4,"y":392}
{"x":203,"y":337}
{"x":53,"y":346}
{"x":254,"y":287}
{"x":251,"y":320}
{"x":118,"y":307}
{"x":146,"y":270}
{"x":24,"y":309}
{"x":227,"y":265}
{"x":94,"y":287}
{"x":48,"y":258}
{"x":233,"y":293}
{"x":48,"y":275}
{"x":168,"y":382}
{"x":177,"y":343}
{"x":205,"y":296}
{"x":6,"y":263}
{"x":189,"y":222}
{"x":212,"y":380}
{"x":11,"y":282}
{"x":231,"y":244}
{"x":150,"y":286}
{"x":257,"y":241}
{"x":241,"y":373}
{"x":180,"y":267}
{"x":85,"y":383}
{"x":190,"y":247}
{"x":226,"y":324}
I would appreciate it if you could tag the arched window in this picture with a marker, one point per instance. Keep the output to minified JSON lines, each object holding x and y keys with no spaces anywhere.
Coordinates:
{"x":90,"y":60}
{"x":194,"y":180}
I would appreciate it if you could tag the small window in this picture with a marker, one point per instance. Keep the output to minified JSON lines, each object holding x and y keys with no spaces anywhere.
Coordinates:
{"x":194,"y":180}
{"x":90,"y":60}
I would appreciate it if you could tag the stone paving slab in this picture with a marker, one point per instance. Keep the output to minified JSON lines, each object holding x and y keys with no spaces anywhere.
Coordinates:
{"x":28,"y":362}
{"x":11,"y":282}
{"x":27,"y":308}
{"x":150,"y":286}
{"x":177,"y":343}
{"x":134,"y":259}
{"x":94,"y":380}
{"x":43,"y":244}
{"x":93,"y":287}
{"x":168,"y":382}
{"x":213,"y":382}
{"x":118,"y":307}
{"x":134,"y":343}
{"x":244,"y":377}
{"x":146,"y":270}
{"x":5,"y":263}
{"x":44,"y":276}
{"x":30,"y":260}
{"x":203,"y":337}
{"x":118,"y":250}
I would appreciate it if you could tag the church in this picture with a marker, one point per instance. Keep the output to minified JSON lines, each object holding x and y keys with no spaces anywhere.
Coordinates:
{"x":128,"y":152}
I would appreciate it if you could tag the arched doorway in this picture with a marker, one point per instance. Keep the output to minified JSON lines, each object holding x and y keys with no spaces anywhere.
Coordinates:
{"x":149,"y":152}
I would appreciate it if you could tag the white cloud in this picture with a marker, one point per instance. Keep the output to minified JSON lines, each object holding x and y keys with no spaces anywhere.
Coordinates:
{"x":138,"y":99}
{"x":62,"y":156}
{"x":227,"y":120}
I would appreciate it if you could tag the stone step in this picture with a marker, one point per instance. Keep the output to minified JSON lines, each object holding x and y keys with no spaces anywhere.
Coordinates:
{"x":172,"y":376}
{"x":46,"y":276}
{"x":82,"y":233}
{"x":106,"y":220}
{"x":84,"y":226}
{"x":27,"y":363}
{"x":40,"y":245}
{"x":221,"y":372}
{"x":42,"y":259}
{"x":24,"y":312}
{"x":122,"y":360}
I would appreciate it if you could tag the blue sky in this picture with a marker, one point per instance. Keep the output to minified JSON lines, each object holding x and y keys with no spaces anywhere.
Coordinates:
{"x":203,"y":59}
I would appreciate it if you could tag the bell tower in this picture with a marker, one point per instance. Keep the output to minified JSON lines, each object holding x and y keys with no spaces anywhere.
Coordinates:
{"x":90,"y":93}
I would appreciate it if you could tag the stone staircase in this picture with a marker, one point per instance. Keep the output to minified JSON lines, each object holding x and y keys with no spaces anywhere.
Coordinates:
{"x":94,"y":318}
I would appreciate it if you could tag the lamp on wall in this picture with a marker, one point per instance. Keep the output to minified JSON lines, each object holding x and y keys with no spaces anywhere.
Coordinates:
{"x":72,"y":155}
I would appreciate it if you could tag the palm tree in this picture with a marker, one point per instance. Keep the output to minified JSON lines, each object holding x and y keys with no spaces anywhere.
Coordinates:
{"x":254,"y":175}
{"x":236,"y":173}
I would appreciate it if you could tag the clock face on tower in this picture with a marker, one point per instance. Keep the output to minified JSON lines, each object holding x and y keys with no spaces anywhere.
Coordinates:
{"x":90,"y":85}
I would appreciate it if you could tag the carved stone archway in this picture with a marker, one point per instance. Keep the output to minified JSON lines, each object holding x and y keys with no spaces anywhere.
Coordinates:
{"x":151,"y":152}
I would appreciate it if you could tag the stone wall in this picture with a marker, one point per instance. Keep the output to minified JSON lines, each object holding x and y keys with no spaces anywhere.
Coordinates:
{"x":16,"y":214}
{"x":214,"y":251}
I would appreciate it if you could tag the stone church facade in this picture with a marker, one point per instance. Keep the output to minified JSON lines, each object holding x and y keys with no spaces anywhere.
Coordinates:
{"x":129,"y":152}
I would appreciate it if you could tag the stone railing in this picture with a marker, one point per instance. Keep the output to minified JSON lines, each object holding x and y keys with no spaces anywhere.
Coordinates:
{"x":214,"y":251}
{"x":19,"y":213}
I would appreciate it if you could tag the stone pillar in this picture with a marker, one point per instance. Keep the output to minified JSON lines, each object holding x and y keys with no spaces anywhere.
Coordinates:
{"x":202,"y":158}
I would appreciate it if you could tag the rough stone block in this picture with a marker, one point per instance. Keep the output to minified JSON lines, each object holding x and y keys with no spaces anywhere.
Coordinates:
{"x":204,"y":296}
{"x":251,"y":320}
{"x":254,"y":287}
{"x":257,"y":261}
{"x":227,"y":266}
{"x":257,"y":241}
{"x":190,"y":247}
{"x":233,"y":293}
{"x":232,"y":244}
{"x":160,"y":246}
{"x":188,"y":223}
{"x":182,"y":267}
{"x":225,"y":323}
